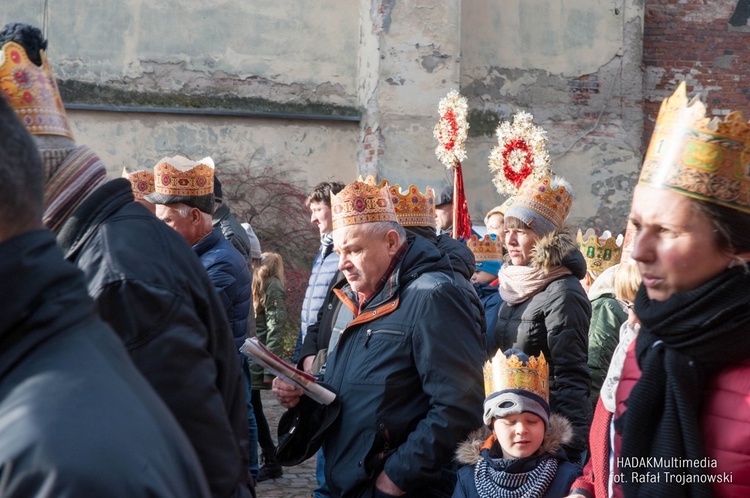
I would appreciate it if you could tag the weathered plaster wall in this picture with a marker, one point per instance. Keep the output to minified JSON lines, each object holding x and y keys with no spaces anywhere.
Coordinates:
{"x":409,"y":61}
{"x":575,"y":66}
{"x":305,"y":149}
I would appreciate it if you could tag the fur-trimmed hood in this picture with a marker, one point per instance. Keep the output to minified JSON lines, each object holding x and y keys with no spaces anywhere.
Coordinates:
{"x":560,"y":432}
{"x":558,"y":248}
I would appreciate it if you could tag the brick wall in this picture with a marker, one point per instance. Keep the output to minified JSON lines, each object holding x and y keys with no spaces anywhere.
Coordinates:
{"x":693,"y":40}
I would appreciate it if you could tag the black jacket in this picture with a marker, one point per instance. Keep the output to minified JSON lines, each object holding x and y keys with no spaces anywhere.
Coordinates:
{"x":149,"y":285}
{"x":555,"y":321}
{"x":76,"y":417}
{"x":408,"y":370}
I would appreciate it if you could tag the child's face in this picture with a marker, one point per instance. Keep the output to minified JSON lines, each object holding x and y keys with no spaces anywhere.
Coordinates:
{"x":519,"y":435}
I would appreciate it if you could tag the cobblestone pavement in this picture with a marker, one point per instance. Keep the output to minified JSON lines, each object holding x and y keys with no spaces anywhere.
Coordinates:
{"x":297,"y":482}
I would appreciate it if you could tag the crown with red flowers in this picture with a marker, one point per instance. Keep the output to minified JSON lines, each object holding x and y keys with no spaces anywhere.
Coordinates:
{"x":520,"y":154}
{"x":703,"y":158}
{"x":510,"y":372}
{"x":141,"y":181}
{"x":32,"y":92}
{"x":602,"y":252}
{"x":360,"y":203}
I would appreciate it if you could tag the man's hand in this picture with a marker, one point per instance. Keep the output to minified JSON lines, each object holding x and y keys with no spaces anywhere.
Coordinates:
{"x":307,"y":363}
{"x":384,"y":484}
{"x":286,"y":394}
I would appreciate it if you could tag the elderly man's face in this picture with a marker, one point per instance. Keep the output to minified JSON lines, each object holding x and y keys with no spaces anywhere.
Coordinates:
{"x":364,"y":257}
{"x":172,"y":216}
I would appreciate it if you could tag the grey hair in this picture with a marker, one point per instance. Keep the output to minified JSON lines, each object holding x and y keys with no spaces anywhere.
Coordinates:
{"x":380,"y":228}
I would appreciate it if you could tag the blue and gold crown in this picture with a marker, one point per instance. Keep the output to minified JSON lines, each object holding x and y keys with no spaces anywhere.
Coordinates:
{"x":503,"y":373}
{"x":700,"y":157}
{"x":32,"y":92}
{"x":602,"y":252}
{"x":485,"y":249}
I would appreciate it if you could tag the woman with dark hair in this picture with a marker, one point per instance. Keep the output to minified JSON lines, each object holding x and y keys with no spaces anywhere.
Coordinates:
{"x":545,"y":308}
{"x":682,"y":415}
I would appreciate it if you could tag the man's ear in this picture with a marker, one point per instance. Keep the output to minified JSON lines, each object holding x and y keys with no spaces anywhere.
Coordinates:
{"x":392,"y":238}
{"x":196,"y":216}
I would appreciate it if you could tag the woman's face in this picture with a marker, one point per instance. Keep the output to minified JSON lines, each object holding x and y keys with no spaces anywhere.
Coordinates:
{"x":520,"y":243}
{"x":675,"y":246}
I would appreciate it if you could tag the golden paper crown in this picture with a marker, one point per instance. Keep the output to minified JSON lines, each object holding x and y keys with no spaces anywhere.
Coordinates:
{"x":699,"y":157}
{"x":413,"y":209}
{"x":141,"y":181}
{"x":179,"y":176}
{"x":547,"y":197}
{"x":32,"y":92}
{"x":485,"y":249}
{"x":512,"y":373}
{"x":360,"y":203}
{"x":602,"y":252}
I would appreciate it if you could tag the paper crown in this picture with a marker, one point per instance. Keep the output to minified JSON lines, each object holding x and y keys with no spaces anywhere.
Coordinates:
{"x":542,"y":204}
{"x":520,"y":154}
{"x":141,"y":181}
{"x":179,"y":176}
{"x":485,"y":249}
{"x":413,"y":209}
{"x":602,"y":252}
{"x":360,"y":203}
{"x":32,"y":92}
{"x":703,"y":158}
{"x":503,"y":372}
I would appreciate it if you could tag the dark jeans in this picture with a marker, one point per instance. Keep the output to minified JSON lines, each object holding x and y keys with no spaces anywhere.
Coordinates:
{"x":264,"y":432}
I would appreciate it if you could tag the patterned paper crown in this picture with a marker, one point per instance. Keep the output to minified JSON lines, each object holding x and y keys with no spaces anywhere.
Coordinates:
{"x":600,"y":252}
{"x":141,"y":181}
{"x":542,"y":204}
{"x":32,"y":92}
{"x":179,"y":176}
{"x":485,"y":249}
{"x":502,"y":373}
{"x":699,"y":157}
{"x":360,"y":203}
{"x":413,"y":209}
{"x":520,"y":154}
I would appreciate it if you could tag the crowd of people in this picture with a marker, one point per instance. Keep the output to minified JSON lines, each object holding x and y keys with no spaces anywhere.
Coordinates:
{"x":525,"y":362}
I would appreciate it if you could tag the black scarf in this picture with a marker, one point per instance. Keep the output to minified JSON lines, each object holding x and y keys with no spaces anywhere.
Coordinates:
{"x":683,"y":342}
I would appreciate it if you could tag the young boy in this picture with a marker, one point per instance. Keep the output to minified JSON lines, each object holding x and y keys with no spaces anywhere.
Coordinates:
{"x":519,"y":451}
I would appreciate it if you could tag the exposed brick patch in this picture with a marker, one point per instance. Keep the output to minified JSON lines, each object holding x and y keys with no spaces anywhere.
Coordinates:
{"x":692,"y":40}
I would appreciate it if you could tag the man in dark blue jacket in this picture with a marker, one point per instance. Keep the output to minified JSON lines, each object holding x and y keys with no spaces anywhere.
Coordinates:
{"x":76,"y":417}
{"x":409,"y":384}
{"x":166,"y":319}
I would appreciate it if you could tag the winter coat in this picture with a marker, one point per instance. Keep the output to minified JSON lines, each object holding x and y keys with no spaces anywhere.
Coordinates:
{"x":227,"y":270}
{"x":234,"y":233}
{"x":76,"y":417}
{"x":471,"y":451}
{"x":555,"y":321}
{"x":607,"y":316}
{"x":410,"y":387}
{"x":319,"y":333}
{"x":149,"y":286}
{"x":725,"y":422}
{"x":491,"y":301}
{"x":323,"y":271}
{"x":269,"y":325}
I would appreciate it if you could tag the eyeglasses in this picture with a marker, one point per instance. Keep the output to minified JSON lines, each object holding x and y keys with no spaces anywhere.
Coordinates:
{"x":626,"y":304}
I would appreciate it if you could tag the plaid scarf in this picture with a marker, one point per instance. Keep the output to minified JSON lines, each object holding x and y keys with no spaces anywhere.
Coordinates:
{"x":79,"y":174}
